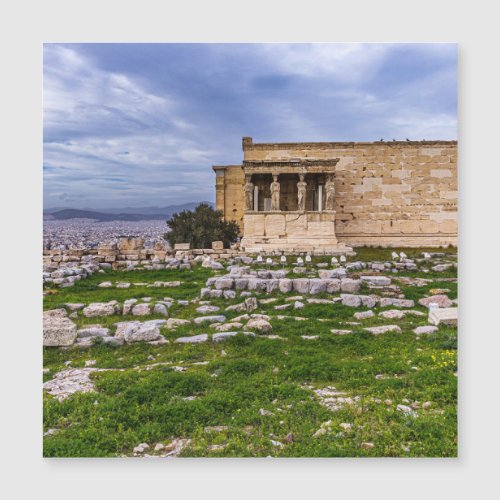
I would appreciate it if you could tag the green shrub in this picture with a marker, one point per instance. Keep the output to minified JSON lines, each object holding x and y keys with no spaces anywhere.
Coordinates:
{"x":201,"y":226}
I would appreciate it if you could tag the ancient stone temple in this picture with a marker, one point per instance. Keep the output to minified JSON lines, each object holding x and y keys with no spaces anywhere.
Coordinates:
{"x":326,"y":196}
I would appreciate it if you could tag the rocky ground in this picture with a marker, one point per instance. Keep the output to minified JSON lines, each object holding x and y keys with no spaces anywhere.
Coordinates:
{"x":248,"y":358}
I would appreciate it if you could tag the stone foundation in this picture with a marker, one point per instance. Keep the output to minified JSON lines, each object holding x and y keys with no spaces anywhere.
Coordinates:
{"x":292,"y":231}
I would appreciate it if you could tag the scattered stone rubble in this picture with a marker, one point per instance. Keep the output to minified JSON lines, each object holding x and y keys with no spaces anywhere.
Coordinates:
{"x":67,"y":382}
{"x":243,"y":278}
{"x":331,"y":398}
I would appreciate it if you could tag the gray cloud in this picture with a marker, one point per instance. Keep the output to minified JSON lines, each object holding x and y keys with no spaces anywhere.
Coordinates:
{"x":142,"y":124}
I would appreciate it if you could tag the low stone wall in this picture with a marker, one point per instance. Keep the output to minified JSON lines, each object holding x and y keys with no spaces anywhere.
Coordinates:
{"x":131,"y":252}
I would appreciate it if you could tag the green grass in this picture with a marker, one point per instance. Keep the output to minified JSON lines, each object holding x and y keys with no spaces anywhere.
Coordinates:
{"x":246,"y":374}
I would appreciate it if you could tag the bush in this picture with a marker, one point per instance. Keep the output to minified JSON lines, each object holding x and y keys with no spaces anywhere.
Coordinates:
{"x":201,"y":226}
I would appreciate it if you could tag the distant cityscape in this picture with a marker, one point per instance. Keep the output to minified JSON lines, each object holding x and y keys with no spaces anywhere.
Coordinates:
{"x":65,"y":228}
{"x":87,"y":233}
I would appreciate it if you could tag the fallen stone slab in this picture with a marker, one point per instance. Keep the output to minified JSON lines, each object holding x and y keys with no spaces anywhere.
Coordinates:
{"x":439,"y":300}
{"x":376,"y":280}
{"x":160,"y":309}
{"x":226,"y":327}
{"x":175,"y":322}
{"x":141,"y":310}
{"x":210,"y":319}
{"x":406,"y":411}
{"x":219,"y":337}
{"x":351,"y":300}
{"x":259,"y":324}
{"x":337,"y":331}
{"x":392,"y":314}
{"x":377,"y":330}
{"x":243,"y":317}
{"x":364,"y":315}
{"x":424,"y":330}
{"x":224,"y":283}
{"x":294,"y":298}
{"x":155,"y":322}
{"x":446,"y":316}
{"x":439,"y":291}
{"x":251,"y":304}
{"x":101,"y":309}
{"x":320,"y":301}
{"x":268,"y":301}
{"x":260,"y":316}
{"x":127,"y":306}
{"x":121,"y":326}
{"x":399,"y":314}
{"x":389,"y":301}
{"x":195,"y":339}
{"x":442,"y":267}
{"x":237,"y":307}
{"x":207,"y":309}
{"x":282,"y":307}
{"x":58,"y":329}
{"x":93,"y":332}
{"x":142,"y":332}
{"x":113,"y":341}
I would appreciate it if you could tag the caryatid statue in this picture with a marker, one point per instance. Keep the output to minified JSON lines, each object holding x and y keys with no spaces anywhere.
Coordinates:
{"x":248,"y":189}
{"x":301,"y":193}
{"x":330,"y":192}
{"x":275,"y":193}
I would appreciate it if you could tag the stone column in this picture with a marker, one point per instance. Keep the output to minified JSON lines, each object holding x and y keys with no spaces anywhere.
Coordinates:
{"x":301,"y":193}
{"x":330,"y":192}
{"x":320,"y":198}
{"x":256,"y":198}
{"x":275,"y":193}
{"x":249,"y":193}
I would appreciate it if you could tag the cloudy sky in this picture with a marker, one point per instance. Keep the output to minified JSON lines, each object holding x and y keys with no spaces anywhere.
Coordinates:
{"x":130,"y":125}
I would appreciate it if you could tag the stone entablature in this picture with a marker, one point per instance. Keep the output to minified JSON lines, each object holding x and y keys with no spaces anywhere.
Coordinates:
{"x":290,"y":167}
{"x":249,"y":145}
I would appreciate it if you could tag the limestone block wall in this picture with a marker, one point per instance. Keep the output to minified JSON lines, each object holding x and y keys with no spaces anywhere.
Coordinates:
{"x":387,"y":193}
{"x":229,"y":182}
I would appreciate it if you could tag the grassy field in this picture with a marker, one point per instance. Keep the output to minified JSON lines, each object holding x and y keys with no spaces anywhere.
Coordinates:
{"x":260,"y":390}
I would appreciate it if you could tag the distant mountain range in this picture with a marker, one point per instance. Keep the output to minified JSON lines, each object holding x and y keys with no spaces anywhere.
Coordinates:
{"x":120,"y":214}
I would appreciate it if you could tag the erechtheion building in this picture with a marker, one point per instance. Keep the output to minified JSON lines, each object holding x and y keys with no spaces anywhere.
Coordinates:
{"x":326,"y":196}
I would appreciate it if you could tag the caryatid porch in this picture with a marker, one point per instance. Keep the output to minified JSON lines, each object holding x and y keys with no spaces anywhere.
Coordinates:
{"x":290,"y":206}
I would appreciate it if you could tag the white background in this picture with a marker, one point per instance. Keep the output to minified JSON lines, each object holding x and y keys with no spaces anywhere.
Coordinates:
{"x":24,"y":26}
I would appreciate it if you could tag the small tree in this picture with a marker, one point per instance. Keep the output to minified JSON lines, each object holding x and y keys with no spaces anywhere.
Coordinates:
{"x":201,"y":226}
